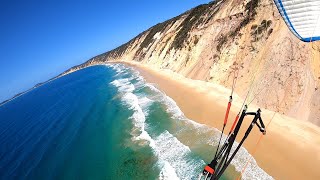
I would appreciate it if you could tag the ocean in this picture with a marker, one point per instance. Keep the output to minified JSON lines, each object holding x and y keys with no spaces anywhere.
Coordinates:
{"x":106,"y":122}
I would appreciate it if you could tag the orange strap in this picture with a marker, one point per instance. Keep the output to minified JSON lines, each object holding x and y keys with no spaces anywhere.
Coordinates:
{"x":234,"y":123}
{"x":227,"y":113}
{"x":209,"y":169}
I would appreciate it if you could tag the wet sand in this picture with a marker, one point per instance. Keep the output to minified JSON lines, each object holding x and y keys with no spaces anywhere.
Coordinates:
{"x":289,"y":150}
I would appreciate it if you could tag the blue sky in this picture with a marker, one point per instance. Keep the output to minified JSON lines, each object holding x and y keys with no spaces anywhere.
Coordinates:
{"x":40,"y":38}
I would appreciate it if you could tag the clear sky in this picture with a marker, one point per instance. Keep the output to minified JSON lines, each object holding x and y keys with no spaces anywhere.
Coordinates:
{"x":40,"y":38}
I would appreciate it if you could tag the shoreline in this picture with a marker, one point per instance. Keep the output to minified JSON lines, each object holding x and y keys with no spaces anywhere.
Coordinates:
{"x":206,"y":103}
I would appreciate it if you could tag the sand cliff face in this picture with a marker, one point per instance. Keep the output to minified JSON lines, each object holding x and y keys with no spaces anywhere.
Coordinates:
{"x":212,"y":41}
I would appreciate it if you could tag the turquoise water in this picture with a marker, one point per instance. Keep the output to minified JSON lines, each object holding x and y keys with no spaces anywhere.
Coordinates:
{"x":102,"y":122}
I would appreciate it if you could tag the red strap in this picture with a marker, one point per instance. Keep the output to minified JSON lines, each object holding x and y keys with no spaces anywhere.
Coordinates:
{"x":234,"y":123}
{"x":227,"y":113}
{"x":209,"y":169}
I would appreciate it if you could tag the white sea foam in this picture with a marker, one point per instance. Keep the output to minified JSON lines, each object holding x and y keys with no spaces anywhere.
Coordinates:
{"x":138,"y":118}
{"x":118,"y":67}
{"x":124,"y":85}
{"x":170,"y":152}
{"x":137,"y":105}
{"x":168,"y":172}
{"x":172,"y":106}
{"x":120,"y":82}
{"x":145,"y":103}
{"x":174,"y":156}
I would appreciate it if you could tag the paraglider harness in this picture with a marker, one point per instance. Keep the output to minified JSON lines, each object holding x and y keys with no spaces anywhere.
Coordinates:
{"x":221,"y":160}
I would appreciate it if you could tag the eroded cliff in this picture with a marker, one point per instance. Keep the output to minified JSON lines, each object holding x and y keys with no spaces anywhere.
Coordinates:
{"x":212,"y":42}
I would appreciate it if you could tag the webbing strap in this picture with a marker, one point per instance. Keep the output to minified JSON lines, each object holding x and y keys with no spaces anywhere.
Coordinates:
{"x":224,"y":124}
{"x":227,"y":112}
{"x":234,"y":123}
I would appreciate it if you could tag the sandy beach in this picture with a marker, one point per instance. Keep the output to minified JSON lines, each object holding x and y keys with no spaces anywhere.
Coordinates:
{"x":289,"y":150}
